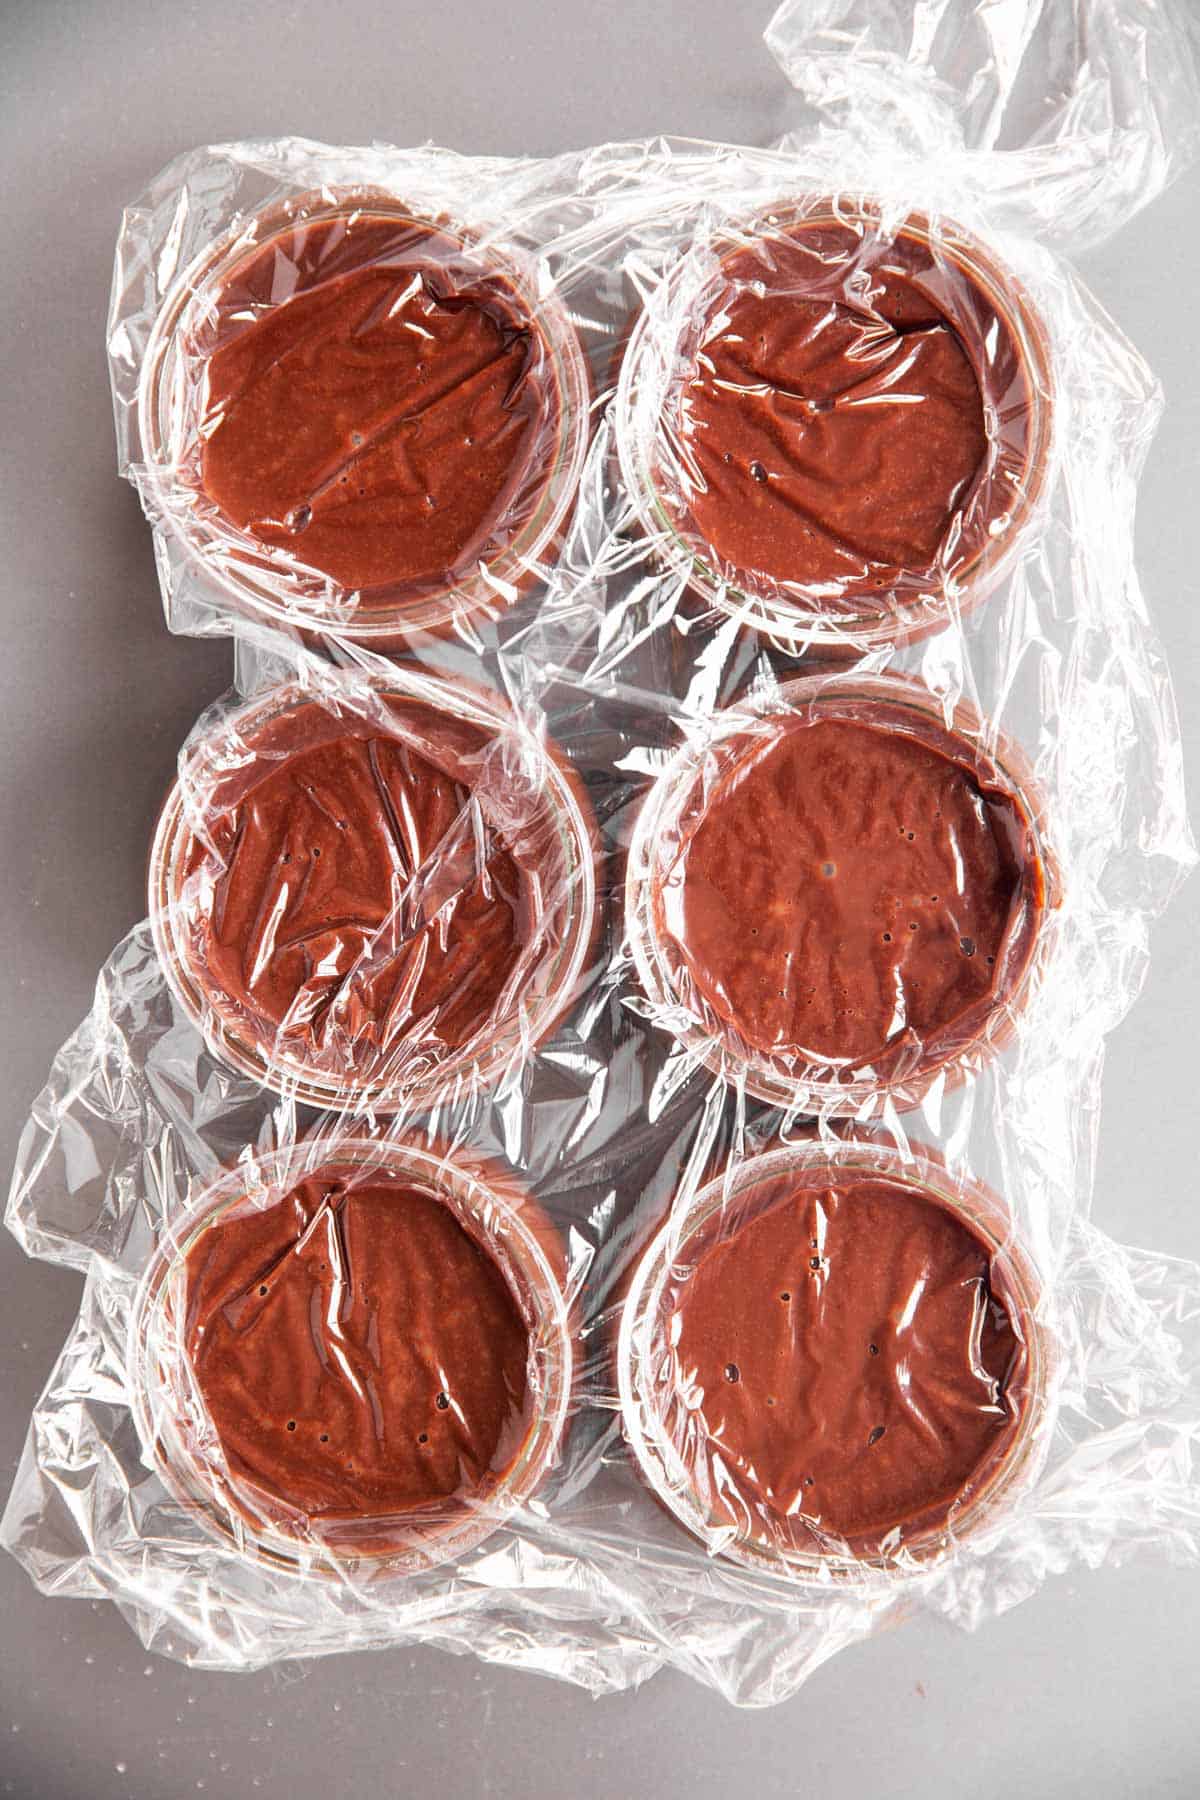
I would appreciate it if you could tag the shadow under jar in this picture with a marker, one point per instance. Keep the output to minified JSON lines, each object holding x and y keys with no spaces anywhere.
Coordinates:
{"x":354,"y":1354}
{"x":358,"y":419}
{"x":836,"y":899}
{"x":835,"y":1360}
{"x":835,"y":427}
{"x":378,"y":895}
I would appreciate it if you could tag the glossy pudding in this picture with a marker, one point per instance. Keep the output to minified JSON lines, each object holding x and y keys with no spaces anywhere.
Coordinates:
{"x":358,"y":1353}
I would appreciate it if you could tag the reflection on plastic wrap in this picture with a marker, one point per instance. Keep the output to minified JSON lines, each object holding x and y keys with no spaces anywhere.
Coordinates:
{"x":588,"y":1161}
{"x":1073,"y":117}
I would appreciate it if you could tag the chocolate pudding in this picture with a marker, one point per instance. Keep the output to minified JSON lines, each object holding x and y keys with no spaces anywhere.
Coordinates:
{"x":359,"y":1349}
{"x":382,"y":419}
{"x":383,"y":893}
{"x":852,"y":424}
{"x":358,"y":1353}
{"x":838,"y":893}
{"x":312,"y":858}
{"x":836,"y":1357}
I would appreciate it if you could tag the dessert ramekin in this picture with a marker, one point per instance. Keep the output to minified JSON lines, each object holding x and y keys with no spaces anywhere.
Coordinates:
{"x":685,"y":1470}
{"x":797,"y":1079}
{"x":527,"y":781}
{"x":271,"y":582}
{"x":1007,"y":343}
{"x":177,"y":1433}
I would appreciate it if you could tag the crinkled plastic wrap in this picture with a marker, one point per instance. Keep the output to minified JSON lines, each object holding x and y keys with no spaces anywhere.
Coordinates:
{"x":588,"y":1160}
{"x":793,"y":840}
{"x":445,"y":386}
{"x":375,"y":895}
{"x":767,"y":435}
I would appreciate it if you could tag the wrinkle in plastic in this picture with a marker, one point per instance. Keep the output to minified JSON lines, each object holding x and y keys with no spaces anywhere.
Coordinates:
{"x":588,"y":1159}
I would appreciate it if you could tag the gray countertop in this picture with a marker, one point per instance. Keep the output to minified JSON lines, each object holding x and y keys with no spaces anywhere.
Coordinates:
{"x":1088,"y":1687}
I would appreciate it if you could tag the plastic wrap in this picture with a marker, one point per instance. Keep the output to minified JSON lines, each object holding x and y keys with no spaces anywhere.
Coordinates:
{"x":768,"y":440}
{"x":444,"y":932}
{"x":589,"y":1159}
{"x":419,"y":511}
{"x":798,"y":835}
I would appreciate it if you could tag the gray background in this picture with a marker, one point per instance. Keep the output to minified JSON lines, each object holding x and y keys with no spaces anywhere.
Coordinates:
{"x":1091,"y":1686}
